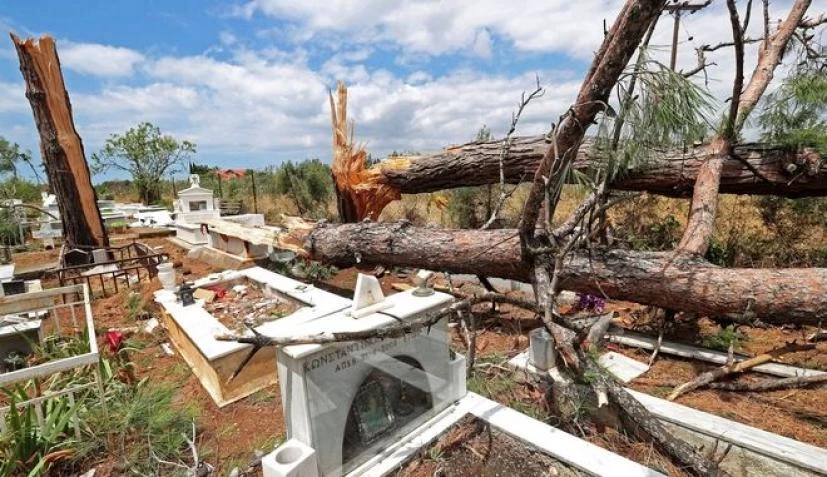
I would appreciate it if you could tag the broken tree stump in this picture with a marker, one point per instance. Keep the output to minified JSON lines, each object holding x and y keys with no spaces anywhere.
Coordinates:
{"x":60,"y":144}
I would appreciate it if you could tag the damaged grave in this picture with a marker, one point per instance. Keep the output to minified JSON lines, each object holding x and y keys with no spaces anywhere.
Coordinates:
{"x":358,"y":403}
{"x":265,"y":299}
{"x":223,"y":241}
{"x":105,"y":270}
{"x":42,"y":334}
{"x":738,"y":449}
{"x":242,"y":303}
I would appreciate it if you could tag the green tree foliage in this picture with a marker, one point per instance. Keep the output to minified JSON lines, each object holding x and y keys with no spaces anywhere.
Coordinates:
{"x":664,"y":109}
{"x":144,"y":153}
{"x":464,"y":202}
{"x":10,"y":156}
{"x":794,"y":115}
{"x":309,"y":184}
{"x":462,"y":207}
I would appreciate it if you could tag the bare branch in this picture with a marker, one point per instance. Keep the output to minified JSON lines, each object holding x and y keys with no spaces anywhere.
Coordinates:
{"x":773,"y":384}
{"x":506,"y":147}
{"x":733,"y":368}
{"x":746,"y":18}
{"x":615,"y":52}
{"x":738,"y":83}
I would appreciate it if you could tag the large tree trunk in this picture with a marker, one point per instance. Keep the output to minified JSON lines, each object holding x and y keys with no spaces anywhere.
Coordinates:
{"x":671,"y":172}
{"x":654,"y":278}
{"x":60,"y":144}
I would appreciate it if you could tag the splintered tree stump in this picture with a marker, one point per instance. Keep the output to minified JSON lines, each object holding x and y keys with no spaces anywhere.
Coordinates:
{"x":60,"y":144}
{"x":354,"y":202}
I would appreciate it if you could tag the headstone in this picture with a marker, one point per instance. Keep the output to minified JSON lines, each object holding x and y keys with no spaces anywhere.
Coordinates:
{"x":348,"y":401}
{"x":100,"y":255}
{"x":14,"y":287}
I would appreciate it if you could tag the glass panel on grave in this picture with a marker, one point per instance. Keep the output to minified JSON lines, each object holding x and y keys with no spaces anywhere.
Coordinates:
{"x":365,"y":396}
{"x":197,"y":205}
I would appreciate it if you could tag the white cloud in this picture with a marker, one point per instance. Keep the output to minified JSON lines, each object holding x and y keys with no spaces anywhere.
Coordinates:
{"x":255,"y":107}
{"x":438,"y":27}
{"x":98,"y":60}
{"x":227,"y":38}
{"x":13,"y":97}
{"x":482,"y":44}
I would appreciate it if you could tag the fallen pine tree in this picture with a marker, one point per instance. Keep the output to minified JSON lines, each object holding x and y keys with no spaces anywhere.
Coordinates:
{"x":752,"y":168}
{"x":665,"y":279}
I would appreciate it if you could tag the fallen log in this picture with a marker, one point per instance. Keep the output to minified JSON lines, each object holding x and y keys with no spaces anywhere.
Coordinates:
{"x":661,"y":279}
{"x":669,"y":173}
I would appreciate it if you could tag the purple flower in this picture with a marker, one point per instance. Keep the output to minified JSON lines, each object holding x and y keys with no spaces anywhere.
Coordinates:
{"x":590,"y":303}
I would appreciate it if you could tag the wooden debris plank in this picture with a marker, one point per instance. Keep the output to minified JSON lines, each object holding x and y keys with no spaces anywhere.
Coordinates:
{"x":638,"y":340}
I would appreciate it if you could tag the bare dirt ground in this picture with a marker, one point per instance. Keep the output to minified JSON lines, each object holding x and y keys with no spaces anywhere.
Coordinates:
{"x":227,"y":437}
{"x":798,"y":413}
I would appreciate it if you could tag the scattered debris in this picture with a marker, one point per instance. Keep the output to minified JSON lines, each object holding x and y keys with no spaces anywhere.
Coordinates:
{"x":150,"y":325}
{"x":246,"y":305}
{"x":204,"y":294}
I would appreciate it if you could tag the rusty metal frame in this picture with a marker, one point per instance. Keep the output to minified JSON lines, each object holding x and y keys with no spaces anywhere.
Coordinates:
{"x":134,"y":257}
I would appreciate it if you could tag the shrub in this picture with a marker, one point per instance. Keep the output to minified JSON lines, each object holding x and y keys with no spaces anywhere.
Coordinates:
{"x":462,"y":208}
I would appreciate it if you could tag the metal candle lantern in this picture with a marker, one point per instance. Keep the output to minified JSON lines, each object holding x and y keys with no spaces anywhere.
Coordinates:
{"x":185,"y":294}
{"x":541,"y":349}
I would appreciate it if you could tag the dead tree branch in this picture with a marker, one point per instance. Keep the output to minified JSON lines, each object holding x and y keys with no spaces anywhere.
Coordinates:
{"x":773,"y":384}
{"x":506,"y":147}
{"x":739,"y":367}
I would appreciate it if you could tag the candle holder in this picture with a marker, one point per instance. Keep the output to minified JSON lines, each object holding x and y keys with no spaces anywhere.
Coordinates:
{"x":185,"y":294}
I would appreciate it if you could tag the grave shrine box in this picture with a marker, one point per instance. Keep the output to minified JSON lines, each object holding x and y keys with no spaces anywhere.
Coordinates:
{"x":346,"y":402}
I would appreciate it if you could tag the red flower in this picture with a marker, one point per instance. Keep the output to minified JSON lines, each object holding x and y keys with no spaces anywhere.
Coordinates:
{"x":114,"y":340}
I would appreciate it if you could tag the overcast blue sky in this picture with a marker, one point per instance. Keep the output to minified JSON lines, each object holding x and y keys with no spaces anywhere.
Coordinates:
{"x":247,"y":80}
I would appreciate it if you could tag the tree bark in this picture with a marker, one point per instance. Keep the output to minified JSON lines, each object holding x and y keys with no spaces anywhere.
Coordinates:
{"x":661,"y":279}
{"x":671,"y":172}
{"x":619,"y":44}
{"x":701,"y":224}
{"x":60,"y":144}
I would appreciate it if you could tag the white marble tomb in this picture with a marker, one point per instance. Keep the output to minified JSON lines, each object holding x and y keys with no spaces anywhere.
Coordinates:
{"x":345,"y":402}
